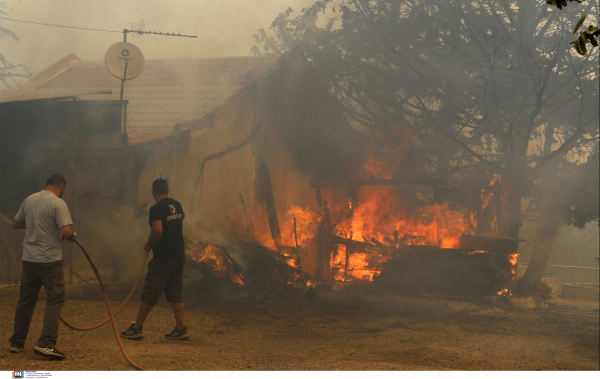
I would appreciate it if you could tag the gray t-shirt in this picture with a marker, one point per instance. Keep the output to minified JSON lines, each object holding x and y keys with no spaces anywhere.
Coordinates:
{"x":44,"y":214}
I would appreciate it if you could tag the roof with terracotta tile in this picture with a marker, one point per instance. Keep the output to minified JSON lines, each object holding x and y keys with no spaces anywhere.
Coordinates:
{"x":167,"y":91}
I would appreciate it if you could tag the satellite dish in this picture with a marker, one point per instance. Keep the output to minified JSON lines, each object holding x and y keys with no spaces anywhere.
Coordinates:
{"x":120,"y":54}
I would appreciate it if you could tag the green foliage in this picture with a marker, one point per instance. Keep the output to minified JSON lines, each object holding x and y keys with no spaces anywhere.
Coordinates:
{"x":540,"y":291}
{"x":561,"y":3}
{"x":587,"y":36}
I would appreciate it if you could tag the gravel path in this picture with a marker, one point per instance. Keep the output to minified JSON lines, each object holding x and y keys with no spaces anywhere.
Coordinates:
{"x":354,"y":330}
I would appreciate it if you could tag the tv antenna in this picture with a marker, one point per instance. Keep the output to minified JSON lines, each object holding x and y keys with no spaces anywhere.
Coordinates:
{"x":124,"y":60}
{"x":139,"y":29}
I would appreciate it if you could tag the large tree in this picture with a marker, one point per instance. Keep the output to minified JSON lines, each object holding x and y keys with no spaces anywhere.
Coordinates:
{"x":496,"y":78}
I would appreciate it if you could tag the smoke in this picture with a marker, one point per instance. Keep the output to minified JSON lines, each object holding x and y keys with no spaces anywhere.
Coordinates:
{"x":224,"y":28}
{"x":114,"y":240}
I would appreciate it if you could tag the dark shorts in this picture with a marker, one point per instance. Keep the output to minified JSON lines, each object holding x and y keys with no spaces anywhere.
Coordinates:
{"x":164,"y":275}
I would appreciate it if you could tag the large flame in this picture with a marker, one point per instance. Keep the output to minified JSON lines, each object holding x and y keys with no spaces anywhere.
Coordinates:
{"x":379,"y":216}
{"x":376,"y":214}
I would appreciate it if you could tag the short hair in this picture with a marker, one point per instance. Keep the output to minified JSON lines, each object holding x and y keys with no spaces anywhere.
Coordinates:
{"x":160,"y":186}
{"x":56,"y":180}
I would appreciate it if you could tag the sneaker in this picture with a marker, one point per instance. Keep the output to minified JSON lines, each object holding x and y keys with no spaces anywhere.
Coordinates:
{"x":15,"y":349}
{"x":49,"y":352}
{"x":178,"y":334}
{"x":133,"y":333}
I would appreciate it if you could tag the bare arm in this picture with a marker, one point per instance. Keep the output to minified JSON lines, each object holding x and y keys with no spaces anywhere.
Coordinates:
{"x":66,"y":231}
{"x":17,"y":224}
{"x":155,"y":234}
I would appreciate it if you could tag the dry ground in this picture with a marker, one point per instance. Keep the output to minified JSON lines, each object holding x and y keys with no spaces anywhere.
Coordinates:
{"x":354,"y":330}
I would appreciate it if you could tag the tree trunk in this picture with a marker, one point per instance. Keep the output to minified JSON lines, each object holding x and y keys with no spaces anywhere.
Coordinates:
{"x":509,"y":219}
{"x":551,"y":216}
{"x":547,"y":227}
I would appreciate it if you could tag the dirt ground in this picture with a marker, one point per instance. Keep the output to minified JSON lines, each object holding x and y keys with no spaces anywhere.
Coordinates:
{"x":352,"y":330}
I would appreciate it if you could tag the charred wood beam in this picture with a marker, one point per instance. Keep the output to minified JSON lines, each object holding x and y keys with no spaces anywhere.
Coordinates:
{"x":269,"y":199}
{"x":237,"y":269}
{"x":349,"y":252}
{"x":327,"y":247}
{"x":249,"y":227}
{"x":264,"y":254}
{"x":377,"y":242}
{"x":357,"y":245}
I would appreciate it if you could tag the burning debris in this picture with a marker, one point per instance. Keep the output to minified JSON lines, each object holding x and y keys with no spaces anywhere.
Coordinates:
{"x":460,"y":272}
{"x":261,"y":270}
{"x":214,"y":262}
{"x":366,"y":230}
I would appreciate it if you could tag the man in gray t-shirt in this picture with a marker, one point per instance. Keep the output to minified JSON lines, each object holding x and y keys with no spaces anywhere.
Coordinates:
{"x":46,"y":218}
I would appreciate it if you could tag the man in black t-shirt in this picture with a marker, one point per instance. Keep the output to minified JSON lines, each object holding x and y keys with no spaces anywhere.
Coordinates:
{"x":165,"y":270}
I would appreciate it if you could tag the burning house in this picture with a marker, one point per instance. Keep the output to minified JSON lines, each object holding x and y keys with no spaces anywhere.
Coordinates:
{"x":265,"y":163}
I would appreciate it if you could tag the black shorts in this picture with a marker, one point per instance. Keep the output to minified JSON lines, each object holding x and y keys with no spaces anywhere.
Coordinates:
{"x":166,"y":275}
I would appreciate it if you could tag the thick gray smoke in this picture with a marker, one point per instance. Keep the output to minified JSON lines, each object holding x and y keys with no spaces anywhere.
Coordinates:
{"x":224,"y":28}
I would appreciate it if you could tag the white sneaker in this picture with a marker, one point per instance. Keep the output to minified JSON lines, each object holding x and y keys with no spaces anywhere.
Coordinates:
{"x":49,"y":352}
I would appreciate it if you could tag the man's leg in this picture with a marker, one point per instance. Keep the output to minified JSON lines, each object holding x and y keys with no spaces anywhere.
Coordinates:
{"x":155,"y":281}
{"x":54,"y":283}
{"x":30,"y":289}
{"x":143,"y":312}
{"x":178,"y":309}
{"x":174,"y":292}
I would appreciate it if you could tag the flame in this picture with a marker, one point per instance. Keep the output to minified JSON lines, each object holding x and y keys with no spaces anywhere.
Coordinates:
{"x":512,"y":258}
{"x":214,"y":256}
{"x":358,"y":266}
{"x":307,"y":222}
{"x":380,"y":215}
{"x":486,"y":194}
{"x":375,"y":215}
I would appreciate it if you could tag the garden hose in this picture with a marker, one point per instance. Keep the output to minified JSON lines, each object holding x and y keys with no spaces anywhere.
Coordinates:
{"x":81,"y":328}
{"x":110,"y":314}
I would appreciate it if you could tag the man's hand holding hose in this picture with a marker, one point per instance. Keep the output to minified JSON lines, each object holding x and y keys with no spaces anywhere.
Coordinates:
{"x":67,"y":233}
{"x":155,"y":233}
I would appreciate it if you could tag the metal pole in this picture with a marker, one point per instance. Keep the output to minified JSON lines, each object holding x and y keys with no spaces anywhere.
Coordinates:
{"x":125,"y":31}
{"x":74,"y":215}
{"x":123,"y":80}
{"x":74,"y":173}
{"x":125,"y":118}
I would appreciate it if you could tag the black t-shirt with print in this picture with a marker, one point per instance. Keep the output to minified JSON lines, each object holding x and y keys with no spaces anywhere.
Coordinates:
{"x":170,"y":243}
